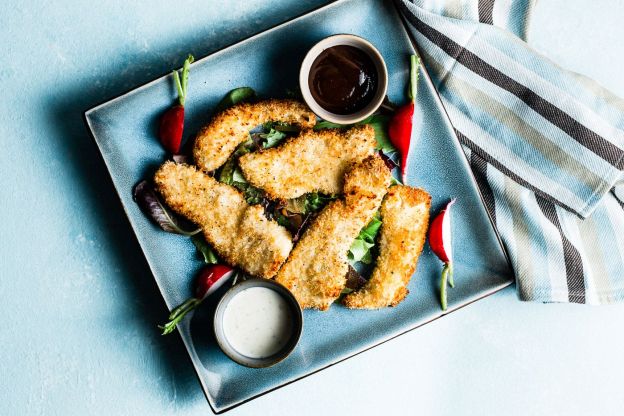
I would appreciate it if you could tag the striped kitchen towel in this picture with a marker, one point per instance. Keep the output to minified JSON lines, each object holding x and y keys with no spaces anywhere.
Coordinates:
{"x":546,"y":146}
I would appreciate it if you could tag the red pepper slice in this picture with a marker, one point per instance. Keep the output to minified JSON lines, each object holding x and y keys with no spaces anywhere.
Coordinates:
{"x":171,"y":128}
{"x":441,"y":244}
{"x":400,"y":128}
{"x":172,"y":121}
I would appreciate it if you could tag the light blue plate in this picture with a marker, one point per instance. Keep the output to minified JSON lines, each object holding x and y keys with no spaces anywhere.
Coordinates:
{"x":124,"y":129}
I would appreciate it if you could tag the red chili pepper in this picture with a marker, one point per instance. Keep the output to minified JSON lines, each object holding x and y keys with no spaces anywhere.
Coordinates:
{"x":208,"y":281}
{"x":441,"y":244}
{"x":172,"y":121}
{"x":400,"y":128}
{"x":171,"y":128}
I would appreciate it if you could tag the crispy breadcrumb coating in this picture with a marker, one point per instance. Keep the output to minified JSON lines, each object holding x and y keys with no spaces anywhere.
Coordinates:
{"x":405,"y":218}
{"x":314,"y":161}
{"x":216,"y":141}
{"x":316,"y":268}
{"x":237,"y":231}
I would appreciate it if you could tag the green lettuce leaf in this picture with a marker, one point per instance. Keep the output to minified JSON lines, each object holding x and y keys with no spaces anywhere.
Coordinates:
{"x":226,"y":174}
{"x":315,"y":201}
{"x":204,"y":249}
{"x":237,"y":176}
{"x":379,"y":123}
{"x":272,"y":138}
{"x":309,"y":203}
{"x":281,"y":126}
{"x":253,"y":195}
{"x":230,"y":174}
{"x":237,"y":95}
{"x":361,"y":248}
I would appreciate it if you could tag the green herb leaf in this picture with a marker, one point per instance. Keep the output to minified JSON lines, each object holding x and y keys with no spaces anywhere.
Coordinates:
{"x":272,"y":138}
{"x":315,"y":201}
{"x":329,"y":125}
{"x":231,"y":174}
{"x":308,"y":203}
{"x":282,"y":220}
{"x":379,"y":123}
{"x":227,"y":172}
{"x":237,"y":176}
{"x":368,"y":257}
{"x":178,"y":314}
{"x":297,"y":205}
{"x":273,"y":133}
{"x":252,"y":195}
{"x":281,"y":126}
{"x":369,"y":232}
{"x":361,"y":248}
{"x":210,"y":257}
{"x":293,"y":222}
{"x":237,"y":95}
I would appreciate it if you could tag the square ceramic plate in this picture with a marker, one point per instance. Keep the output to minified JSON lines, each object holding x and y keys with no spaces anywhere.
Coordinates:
{"x":269,"y":62}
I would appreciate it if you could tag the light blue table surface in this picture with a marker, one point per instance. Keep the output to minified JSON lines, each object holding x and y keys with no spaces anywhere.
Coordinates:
{"x":79,"y":306}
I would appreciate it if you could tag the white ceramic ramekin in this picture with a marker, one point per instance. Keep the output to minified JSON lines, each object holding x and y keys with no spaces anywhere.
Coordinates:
{"x":380,"y":66}
{"x":231,"y":352}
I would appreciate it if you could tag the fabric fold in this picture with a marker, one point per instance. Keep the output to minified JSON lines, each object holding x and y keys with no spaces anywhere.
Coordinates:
{"x":518,"y":108}
{"x":546,"y":146}
{"x":618,"y":191}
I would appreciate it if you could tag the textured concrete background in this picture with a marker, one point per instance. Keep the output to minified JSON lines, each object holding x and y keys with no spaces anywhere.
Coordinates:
{"x":79,"y":307}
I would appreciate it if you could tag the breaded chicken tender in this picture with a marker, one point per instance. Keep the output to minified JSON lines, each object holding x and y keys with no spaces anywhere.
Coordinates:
{"x":314,"y":161}
{"x":405,"y":218}
{"x":316,"y":269}
{"x":238,"y":232}
{"x":229,"y":128}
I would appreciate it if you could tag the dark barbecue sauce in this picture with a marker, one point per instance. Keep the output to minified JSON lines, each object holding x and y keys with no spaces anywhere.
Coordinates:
{"x":343,"y":79}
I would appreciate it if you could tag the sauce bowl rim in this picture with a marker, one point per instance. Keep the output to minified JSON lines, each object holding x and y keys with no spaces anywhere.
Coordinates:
{"x":219,"y":331}
{"x":351,"y":40}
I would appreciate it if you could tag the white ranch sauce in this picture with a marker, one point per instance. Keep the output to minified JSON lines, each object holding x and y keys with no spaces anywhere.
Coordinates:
{"x":257,"y":322}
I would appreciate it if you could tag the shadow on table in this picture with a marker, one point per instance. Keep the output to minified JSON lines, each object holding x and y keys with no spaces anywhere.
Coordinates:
{"x":94,"y":186}
{"x":137,"y":285}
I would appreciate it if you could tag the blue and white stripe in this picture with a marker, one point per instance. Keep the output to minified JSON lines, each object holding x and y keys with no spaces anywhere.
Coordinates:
{"x":546,"y":146}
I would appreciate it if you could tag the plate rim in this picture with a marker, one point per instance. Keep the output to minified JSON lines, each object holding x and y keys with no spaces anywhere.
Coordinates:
{"x":213,"y":407}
